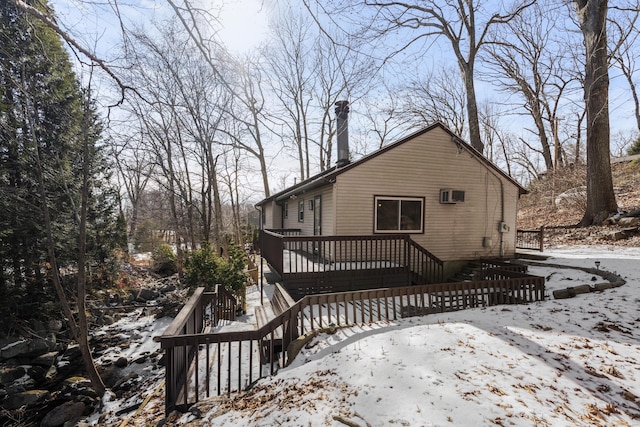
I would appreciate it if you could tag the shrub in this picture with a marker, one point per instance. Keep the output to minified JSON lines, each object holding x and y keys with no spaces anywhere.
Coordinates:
{"x":165,"y":261}
{"x":205,"y":268}
{"x":635,"y":147}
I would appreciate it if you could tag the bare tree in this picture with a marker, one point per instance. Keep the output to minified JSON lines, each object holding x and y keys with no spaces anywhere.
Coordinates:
{"x":463,"y":24}
{"x":625,"y":38}
{"x":134,"y":171}
{"x":529,"y":62}
{"x":383,"y":117}
{"x":601,"y":201}
{"x":436,"y":97}
{"x":292,"y":78}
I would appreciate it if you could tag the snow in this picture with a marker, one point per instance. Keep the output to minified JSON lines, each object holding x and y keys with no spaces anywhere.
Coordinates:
{"x":558,"y":362}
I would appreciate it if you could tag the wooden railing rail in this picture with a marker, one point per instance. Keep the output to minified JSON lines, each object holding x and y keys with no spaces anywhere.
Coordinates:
{"x":232,"y":361}
{"x":427,"y":268}
{"x":530,"y":239}
{"x":202,"y":310}
{"x":318,"y":259}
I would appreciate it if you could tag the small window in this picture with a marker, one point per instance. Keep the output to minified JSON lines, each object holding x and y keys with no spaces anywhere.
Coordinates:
{"x":301,"y":211}
{"x":311,"y":204}
{"x":286,"y":210}
{"x":398,"y":214}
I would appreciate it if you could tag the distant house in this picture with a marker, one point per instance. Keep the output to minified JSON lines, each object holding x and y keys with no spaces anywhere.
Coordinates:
{"x":430,"y":187}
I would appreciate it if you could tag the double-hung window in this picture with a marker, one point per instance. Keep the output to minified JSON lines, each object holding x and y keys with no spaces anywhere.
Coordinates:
{"x":399,"y":214}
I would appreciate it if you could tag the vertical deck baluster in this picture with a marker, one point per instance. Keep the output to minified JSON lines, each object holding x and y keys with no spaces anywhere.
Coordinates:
{"x":229,"y":370}
{"x":239,"y":365}
{"x":250,"y":361}
{"x":185,"y":369}
{"x":219,"y":359}
{"x":197,"y":372}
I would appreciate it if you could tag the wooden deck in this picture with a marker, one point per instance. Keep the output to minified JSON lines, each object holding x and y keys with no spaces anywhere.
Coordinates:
{"x":208,"y":364}
{"x":310,"y":265}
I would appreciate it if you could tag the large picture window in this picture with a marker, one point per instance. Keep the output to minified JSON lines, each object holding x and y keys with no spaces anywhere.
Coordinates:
{"x":398,"y":214}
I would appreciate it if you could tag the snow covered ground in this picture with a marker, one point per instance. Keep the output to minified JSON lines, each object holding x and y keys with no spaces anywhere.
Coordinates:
{"x":559,"y":362}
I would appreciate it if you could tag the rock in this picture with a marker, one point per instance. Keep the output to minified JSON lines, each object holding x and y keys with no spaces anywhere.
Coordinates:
{"x":54,"y":325}
{"x":602,"y":286}
{"x":10,"y":374}
{"x":167,"y":289}
{"x":563,"y":293}
{"x":46,"y":359}
{"x":632,"y":221}
{"x":140,"y":360}
{"x":26,"y":349}
{"x":126,"y":383}
{"x":52,"y":372}
{"x":66,"y":412}
{"x":582,"y":289}
{"x":633,"y":213}
{"x":122,"y":362}
{"x":577,"y":195}
{"x":616,"y":235}
{"x":78,"y":386}
{"x":36,"y":372}
{"x":25,"y":398}
{"x":146,"y":294}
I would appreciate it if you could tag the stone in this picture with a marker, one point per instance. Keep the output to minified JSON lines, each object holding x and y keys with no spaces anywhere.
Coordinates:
{"x":616,"y":235}
{"x":60,"y":414}
{"x":25,"y":349}
{"x":121,"y":362}
{"x":54,"y":325}
{"x":25,"y":398}
{"x":146,"y":294}
{"x":582,"y":289}
{"x":46,"y":359}
{"x":36,"y":372}
{"x":10,"y":374}
{"x":602,"y":286}
{"x":632,"y":221}
{"x":52,"y":372}
{"x":563,"y":293}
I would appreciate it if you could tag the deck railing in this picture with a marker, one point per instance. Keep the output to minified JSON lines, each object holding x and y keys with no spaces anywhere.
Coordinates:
{"x":319,"y":264}
{"x":530,"y":239}
{"x":202,"y":311}
{"x":223,"y":363}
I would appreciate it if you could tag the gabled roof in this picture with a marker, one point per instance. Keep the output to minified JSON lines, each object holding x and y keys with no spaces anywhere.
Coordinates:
{"x":328,"y":176}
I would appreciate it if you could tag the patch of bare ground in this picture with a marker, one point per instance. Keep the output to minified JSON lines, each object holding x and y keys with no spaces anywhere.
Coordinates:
{"x":538,"y":209}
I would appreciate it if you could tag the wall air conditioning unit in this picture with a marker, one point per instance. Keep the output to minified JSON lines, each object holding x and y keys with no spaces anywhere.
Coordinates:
{"x":451,"y":196}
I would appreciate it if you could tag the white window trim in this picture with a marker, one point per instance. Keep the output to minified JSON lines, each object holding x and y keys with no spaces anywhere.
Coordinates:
{"x":401,"y":199}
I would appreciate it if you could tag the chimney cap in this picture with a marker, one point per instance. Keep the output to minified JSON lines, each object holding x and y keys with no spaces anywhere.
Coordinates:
{"x":342,"y":106}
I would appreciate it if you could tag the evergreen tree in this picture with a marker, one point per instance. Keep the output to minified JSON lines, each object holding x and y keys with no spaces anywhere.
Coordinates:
{"x":635,"y":147}
{"x":43,"y":127}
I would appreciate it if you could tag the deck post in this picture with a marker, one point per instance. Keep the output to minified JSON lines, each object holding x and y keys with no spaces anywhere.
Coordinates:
{"x":541,"y":237}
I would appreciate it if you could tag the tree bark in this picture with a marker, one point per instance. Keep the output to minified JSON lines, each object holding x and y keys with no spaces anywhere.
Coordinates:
{"x":601,"y":201}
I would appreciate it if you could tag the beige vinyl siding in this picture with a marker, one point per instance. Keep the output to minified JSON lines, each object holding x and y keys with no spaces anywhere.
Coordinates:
{"x":306,"y":227}
{"x":273,"y":215}
{"x":420,"y":168}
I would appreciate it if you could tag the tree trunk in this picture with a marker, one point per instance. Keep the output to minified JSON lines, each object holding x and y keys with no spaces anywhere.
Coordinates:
{"x":601,"y":201}
{"x":472,"y":108}
{"x":83,"y":325}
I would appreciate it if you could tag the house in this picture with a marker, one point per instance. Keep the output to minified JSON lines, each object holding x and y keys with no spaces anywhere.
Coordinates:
{"x":429,"y":187}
